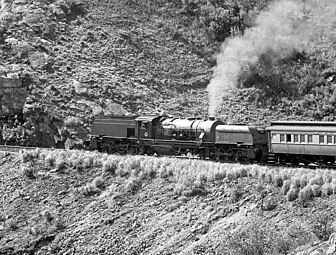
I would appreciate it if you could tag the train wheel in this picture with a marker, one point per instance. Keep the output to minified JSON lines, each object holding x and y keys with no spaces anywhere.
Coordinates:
{"x":220,"y":154}
{"x":213,"y":154}
{"x":295,"y":162}
{"x":201,"y":154}
{"x":131,"y":150}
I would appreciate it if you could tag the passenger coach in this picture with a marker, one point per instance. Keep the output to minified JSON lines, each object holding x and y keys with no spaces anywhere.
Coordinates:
{"x":302,"y":142}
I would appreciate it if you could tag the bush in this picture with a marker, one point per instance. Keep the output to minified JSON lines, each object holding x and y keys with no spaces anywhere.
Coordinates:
{"x":292,"y":194}
{"x":317,"y":180}
{"x":250,"y":239}
{"x":278,"y":180}
{"x":322,"y":224}
{"x":98,"y":182}
{"x":286,"y":186}
{"x":306,"y":194}
{"x":110,"y":166}
{"x":235,"y":194}
{"x":303,"y":181}
{"x":28,"y":171}
{"x":327,"y":189}
{"x":295,"y":183}
{"x":89,"y":189}
{"x":133,"y":184}
{"x":260,"y":237}
{"x":316,"y":190}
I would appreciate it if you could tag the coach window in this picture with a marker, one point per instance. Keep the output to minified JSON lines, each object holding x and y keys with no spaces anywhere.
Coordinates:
{"x":282,"y":137}
{"x":296,"y":138}
{"x":310,"y":138}
{"x":334,"y":138}
{"x":329,"y":139}
{"x":302,"y":138}
{"x":321,"y":138}
{"x":289,"y":138}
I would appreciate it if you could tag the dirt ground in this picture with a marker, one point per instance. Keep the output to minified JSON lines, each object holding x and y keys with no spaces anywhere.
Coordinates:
{"x":47,"y":211}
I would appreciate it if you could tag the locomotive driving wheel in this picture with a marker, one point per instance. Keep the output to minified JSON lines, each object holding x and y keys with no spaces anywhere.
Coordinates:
{"x":213,"y":153}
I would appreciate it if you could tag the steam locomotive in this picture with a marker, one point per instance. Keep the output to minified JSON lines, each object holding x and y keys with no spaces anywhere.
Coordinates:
{"x":282,"y":142}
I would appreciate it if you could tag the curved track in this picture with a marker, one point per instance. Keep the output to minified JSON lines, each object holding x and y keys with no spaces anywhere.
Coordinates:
{"x":15,"y":149}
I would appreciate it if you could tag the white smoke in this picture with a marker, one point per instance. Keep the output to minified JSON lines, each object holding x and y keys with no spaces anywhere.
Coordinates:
{"x":286,"y":26}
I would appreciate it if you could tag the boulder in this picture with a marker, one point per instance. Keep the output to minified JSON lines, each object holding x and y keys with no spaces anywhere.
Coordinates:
{"x":22,"y":49}
{"x":39,"y":60}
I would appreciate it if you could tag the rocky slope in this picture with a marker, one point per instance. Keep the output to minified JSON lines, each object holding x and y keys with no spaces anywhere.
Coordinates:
{"x":84,"y":59}
{"x":138,"y":206}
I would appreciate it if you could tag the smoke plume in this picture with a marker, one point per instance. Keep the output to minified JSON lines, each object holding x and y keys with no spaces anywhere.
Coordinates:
{"x":285,"y":27}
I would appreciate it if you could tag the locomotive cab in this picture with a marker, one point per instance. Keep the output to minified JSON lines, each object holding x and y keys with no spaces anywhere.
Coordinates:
{"x":147,"y":126}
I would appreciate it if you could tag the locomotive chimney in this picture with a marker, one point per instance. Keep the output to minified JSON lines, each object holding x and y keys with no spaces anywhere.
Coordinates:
{"x":211,"y":117}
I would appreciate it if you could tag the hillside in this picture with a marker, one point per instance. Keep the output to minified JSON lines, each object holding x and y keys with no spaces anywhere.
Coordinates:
{"x":84,"y":59}
{"x":77,"y":59}
{"x":72,"y":202}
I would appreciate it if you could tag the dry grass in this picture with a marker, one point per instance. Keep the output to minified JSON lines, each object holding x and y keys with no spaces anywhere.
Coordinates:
{"x":187,"y":174}
{"x":306,"y":194}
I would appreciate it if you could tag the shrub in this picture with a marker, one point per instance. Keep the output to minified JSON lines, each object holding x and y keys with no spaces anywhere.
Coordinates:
{"x":235,"y":194}
{"x":316,"y":190}
{"x":98,"y":182}
{"x":270,"y":204}
{"x":306,"y":194}
{"x":89,"y":189}
{"x":333,"y":186}
{"x":12,"y":224}
{"x":289,"y":239}
{"x":303,"y":181}
{"x":34,"y":230}
{"x":286,"y":186}
{"x":60,"y":165}
{"x":295,"y":183}
{"x":317,"y":180}
{"x":28,"y":171}
{"x":322,"y":224}
{"x":165,"y":171}
{"x":110,"y":166}
{"x":243,"y":171}
{"x":178,"y":188}
{"x":292,"y":194}
{"x":278,"y":180}
{"x":327,"y":189}
{"x":50,"y":159}
{"x":250,"y":239}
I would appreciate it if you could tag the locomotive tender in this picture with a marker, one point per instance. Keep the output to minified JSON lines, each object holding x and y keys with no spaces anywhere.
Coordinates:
{"x":282,"y":142}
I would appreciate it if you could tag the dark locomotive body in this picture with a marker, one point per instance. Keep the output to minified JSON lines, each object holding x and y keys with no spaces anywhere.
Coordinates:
{"x":164,"y":135}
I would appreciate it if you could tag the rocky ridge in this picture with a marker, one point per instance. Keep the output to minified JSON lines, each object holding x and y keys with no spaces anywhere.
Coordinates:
{"x":84,"y":59}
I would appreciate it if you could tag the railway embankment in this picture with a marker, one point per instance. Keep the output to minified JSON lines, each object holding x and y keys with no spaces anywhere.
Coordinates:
{"x":76,"y":202}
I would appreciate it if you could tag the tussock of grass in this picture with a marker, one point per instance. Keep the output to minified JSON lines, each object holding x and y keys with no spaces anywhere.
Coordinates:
{"x":187,"y":174}
{"x":292,"y":194}
{"x":278,"y":180}
{"x":317,"y":180}
{"x":295,"y":183}
{"x":316,"y":190}
{"x":327,"y":189}
{"x":286,"y":186}
{"x":28,"y":171}
{"x":303,"y":181}
{"x":306,"y":194}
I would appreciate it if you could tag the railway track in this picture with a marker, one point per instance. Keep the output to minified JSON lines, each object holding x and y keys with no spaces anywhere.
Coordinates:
{"x":15,"y":149}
